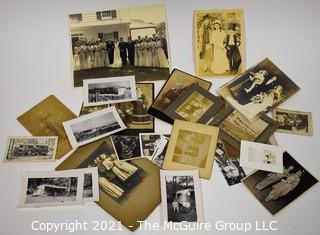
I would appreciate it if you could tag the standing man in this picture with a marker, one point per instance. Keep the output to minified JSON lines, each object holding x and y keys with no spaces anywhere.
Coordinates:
{"x":123,"y":51}
{"x":131,"y":51}
{"x":205,"y":48}
{"x":110,"y":50}
{"x":232,"y":43}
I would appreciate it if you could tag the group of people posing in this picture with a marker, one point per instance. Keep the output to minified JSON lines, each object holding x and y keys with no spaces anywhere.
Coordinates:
{"x":219,"y":49}
{"x":144,"y":52}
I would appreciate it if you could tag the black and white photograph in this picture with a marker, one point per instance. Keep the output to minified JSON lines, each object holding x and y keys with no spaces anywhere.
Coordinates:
{"x":154,"y":146}
{"x":181,"y":196}
{"x":120,"y":42}
{"x":116,"y":178}
{"x":31,"y":149}
{"x":91,"y":127}
{"x":258,"y":90}
{"x":104,"y":91}
{"x":293,"y":122}
{"x":230,"y":168}
{"x":126,"y":146}
{"x":274,"y":190}
{"x":56,"y":188}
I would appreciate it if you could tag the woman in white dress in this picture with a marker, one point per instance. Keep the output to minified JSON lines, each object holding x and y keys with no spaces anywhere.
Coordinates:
{"x":154,"y":58}
{"x":148,"y":53}
{"x":163,"y":62}
{"x":91,"y":48}
{"x":143,"y":46}
{"x":76,"y":57}
{"x":117,"y":62}
{"x":220,"y":62}
{"x":83,"y":56}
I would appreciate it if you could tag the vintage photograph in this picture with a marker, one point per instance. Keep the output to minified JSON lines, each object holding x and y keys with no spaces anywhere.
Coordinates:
{"x":91,"y":127}
{"x":91,"y":109}
{"x":104,"y":91}
{"x":46,"y":118}
{"x":191,"y":146}
{"x":39,"y":189}
{"x":154,"y":146}
{"x":177,"y":83}
{"x":235,"y":127}
{"x":120,"y":42}
{"x":293,"y":122}
{"x":264,"y":157}
{"x":219,"y":42}
{"x":194,"y":105}
{"x":127,"y":147}
{"x":31,"y":149}
{"x":275,"y":190}
{"x":258,"y":90}
{"x":181,"y":196}
{"x":230,"y":168}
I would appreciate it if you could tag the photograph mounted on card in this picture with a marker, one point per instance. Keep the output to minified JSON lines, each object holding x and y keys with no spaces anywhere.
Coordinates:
{"x":219,"y":42}
{"x":31,"y":149}
{"x":127,"y":147}
{"x":191,"y":146}
{"x":275,"y":191}
{"x":234,"y":127}
{"x":181,"y":197}
{"x":293,"y":122}
{"x":91,"y":127}
{"x":124,"y":185}
{"x":120,"y":42}
{"x":177,"y":83}
{"x":46,"y":118}
{"x":102,"y":91}
{"x":264,"y":157}
{"x":194,"y":105}
{"x":258,"y":90}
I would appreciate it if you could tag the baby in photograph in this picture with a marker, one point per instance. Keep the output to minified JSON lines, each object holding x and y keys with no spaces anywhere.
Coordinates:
{"x":262,"y":156}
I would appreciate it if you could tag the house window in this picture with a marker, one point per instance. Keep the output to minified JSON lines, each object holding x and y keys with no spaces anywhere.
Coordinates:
{"x":101,"y":15}
{"x":75,"y":18}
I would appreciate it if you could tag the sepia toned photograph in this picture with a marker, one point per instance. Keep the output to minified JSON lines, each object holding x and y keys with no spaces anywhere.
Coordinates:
{"x":219,"y":42}
{"x":104,"y":91}
{"x":230,"y":168}
{"x":181,"y":196}
{"x":154,"y":146}
{"x":177,"y":83}
{"x":40,"y":189}
{"x":194,"y":105}
{"x":91,"y":127}
{"x":126,"y":146}
{"x":120,"y":42}
{"x":293,"y":122}
{"x":235,"y":127}
{"x":258,"y":90}
{"x":46,"y":118}
{"x":264,"y":157}
{"x":274,"y":190}
{"x":191,"y":146}
{"x":31,"y":149}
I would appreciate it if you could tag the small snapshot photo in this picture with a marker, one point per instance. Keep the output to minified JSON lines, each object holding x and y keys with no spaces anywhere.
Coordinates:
{"x":181,"y":196}
{"x":258,"y":90}
{"x":40,"y":189}
{"x":90,"y":191}
{"x":120,"y":42}
{"x":274,"y":190}
{"x":116,"y":178}
{"x":104,"y":91}
{"x":261,"y":156}
{"x":127,"y":147}
{"x":293,"y":122}
{"x":91,"y":127}
{"x":154,"y":146}
{"x":31,"y":149}
{"x":219,"y":42}
{"x":230,"y":168}
{"x":191,"y":146}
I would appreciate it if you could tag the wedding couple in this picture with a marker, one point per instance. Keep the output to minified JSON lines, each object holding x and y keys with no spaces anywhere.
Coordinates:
{"x":219,"y":50}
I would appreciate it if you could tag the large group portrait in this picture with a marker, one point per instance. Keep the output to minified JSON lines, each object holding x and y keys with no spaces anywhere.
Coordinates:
{"x":258,"y":90}
{"x":120,"y":42}
{"x":219,"y":42}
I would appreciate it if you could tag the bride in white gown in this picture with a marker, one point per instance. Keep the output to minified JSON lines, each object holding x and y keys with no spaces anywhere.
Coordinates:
{"x":117,"y":62}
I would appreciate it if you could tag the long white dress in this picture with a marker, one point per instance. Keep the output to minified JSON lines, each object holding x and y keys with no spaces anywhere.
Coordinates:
{"x":220,"y":62}
{"x":163,"y":62}
{"x":117,"y":62}
{"x":76,"y":59}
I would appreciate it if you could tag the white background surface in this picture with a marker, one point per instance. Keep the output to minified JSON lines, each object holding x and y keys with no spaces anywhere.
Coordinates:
{"x":35,"y":62}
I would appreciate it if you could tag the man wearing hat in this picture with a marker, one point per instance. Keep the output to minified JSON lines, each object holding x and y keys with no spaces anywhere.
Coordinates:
{"x":232,"y":43}
{"x":204,"y":43}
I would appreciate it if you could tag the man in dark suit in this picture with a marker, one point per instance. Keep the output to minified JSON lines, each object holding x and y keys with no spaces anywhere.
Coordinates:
{"x":110,"y":50}
{"x":130,"y":49}
{"x":123,"y":51}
